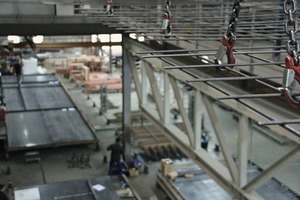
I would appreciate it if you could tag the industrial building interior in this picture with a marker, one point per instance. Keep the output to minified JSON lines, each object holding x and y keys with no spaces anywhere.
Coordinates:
{"x":203,"y":93}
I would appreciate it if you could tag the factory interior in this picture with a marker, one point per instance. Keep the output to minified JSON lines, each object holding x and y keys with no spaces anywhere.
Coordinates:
{"x":203,"y":94}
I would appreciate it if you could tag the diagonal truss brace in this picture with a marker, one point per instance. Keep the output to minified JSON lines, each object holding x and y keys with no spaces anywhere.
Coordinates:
{"x":134,"y":73}
{"x":282,"y":163}
{"x":155,"y":89}
{"x":183,"y":113}
{"x":221,"y":139}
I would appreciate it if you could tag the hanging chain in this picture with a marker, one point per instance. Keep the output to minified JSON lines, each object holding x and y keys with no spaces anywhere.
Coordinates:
{"x":233,"y":20}
{"x":291,"y":28}
{"x":292,"y":71}
{"x":228,"y":41}
{"x":168,"y":4}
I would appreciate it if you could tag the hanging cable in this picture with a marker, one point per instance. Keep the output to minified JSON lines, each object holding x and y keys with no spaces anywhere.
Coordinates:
{"x":292,"y":71}
{"x":228,"y":40}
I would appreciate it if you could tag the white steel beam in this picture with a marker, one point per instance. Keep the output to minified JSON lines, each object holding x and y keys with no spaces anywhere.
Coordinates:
{"x":144,"y":86}
{"x":214,"y":168}
{"x":166,"y":119}
{"x":183,"y":113}
{"x":197,"y":119}
{"x":221,"y":139}
{"x":243,"y":147}
{"x":282,"y":163}
{"x":155,"y":90}
{"x":135,"y":75}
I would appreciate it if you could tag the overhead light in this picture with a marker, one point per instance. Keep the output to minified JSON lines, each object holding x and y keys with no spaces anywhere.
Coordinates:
{"x":38,"y":39}
{"x":104,"y":37}
{"x":14,"y":39}
{"x":132,"y":35}
{"x":141,"y":38}
{"x":117,"y":37}
{"x":94,"y":38}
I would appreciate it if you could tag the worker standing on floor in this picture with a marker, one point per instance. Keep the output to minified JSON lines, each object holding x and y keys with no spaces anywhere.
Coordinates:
{"x":3,"y":195}
{"x":116,"y":158}
{"x":18,"y":70}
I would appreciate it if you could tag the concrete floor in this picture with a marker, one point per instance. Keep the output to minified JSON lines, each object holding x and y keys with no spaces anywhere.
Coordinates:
{"x":54,"y":166}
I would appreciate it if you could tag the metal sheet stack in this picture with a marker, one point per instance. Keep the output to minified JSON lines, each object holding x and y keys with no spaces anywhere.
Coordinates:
{"x":40,"y":113}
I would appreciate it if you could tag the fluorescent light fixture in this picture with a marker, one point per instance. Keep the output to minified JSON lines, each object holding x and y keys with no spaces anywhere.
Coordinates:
{"x":104,"y":37}
{"x":94,"y":38}
{"x":38,"y":39}
{"x":205,"y":59}
{"x":132,"y":35}
{"x":14,"y":38}
{"x":117,"y":37}
{"x":141,"y":38}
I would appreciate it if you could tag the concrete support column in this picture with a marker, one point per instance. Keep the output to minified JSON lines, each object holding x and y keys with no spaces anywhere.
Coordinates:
{"x":126,"y":80}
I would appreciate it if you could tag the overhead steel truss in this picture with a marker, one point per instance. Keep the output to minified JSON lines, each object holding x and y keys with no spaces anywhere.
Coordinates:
{"x":233,"y":175}
{"x":197,"y":27}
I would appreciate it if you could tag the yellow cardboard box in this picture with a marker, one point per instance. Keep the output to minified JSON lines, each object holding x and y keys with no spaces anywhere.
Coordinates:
{"x":167,"y":166}
{"x":134,"y":172}
{"x":172,"y":175}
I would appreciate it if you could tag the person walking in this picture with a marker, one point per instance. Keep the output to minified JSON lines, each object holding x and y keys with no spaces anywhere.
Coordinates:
{"x":3,"y":195}
{"x":116,"y":157}
{"x":18,"y":70}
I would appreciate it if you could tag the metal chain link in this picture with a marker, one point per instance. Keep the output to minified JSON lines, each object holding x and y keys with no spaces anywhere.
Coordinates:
{"x":168,"y":3}
{"x":291,"y":28}
{"x":233,"y":20}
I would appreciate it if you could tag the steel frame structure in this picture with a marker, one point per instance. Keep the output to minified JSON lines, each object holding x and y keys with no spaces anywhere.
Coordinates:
{"x":191,"y":29}
{"x":233,"y":175}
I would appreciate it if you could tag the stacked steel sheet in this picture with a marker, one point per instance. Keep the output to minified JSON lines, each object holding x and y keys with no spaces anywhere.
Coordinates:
{"x":40,"y":113}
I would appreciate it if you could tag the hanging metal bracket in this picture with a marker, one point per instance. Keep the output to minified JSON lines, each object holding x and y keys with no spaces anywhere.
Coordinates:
{"x":226,"y":47}
{"x":291,"y":74}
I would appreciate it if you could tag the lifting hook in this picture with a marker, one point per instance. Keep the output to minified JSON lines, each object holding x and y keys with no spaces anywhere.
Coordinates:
{"x":226,"y":47}
{"x":291,"y":73}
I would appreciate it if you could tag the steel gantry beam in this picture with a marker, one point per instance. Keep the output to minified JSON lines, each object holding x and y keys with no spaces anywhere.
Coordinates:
{"x":187,"y":28}
{"x":233,"y":176}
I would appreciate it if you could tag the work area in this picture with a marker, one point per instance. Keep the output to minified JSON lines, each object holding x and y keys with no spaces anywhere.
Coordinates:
{"x":151,"y":100}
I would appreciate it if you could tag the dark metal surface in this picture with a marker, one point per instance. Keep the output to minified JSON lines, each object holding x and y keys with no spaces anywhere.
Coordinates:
{"x":81,"y":189}
{"x":46,"y":97}
{"x":46,"y":128}
{"x":39,"y":78}
{"x":272,"y":189}
{"x":29,"y":79}
{"x":8,"y":79}
{"x":13,"y":99}
{"x":200,"y":186}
